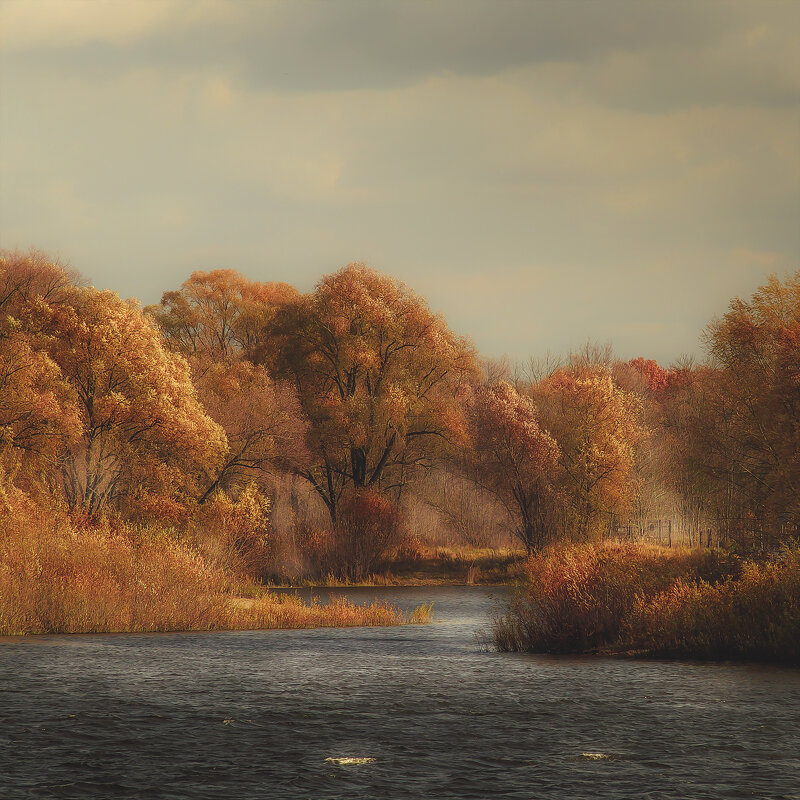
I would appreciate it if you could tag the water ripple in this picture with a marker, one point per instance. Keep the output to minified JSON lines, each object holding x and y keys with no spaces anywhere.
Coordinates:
{"x":256,"y":715}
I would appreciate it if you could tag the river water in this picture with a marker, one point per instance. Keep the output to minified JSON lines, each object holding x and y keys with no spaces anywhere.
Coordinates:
{"x":256,"y":715}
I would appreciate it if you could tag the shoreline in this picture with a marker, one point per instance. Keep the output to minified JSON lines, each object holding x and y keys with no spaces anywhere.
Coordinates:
{"x":400,"y":583}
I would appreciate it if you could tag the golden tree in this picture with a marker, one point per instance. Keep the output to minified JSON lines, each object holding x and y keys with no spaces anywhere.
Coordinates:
{"x":743,"y":419}
{"x":219,"y":322}
{"x":220,"y":316}
{"x":378,"y":375}
{"x":38,"y":415}
{"x":262,"y":422}
{"x":140,"y":423}
{"x":511,"y":456}
{"x":597,"y":426}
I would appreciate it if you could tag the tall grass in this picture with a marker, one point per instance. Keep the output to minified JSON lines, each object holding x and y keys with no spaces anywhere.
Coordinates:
{"x":633,"y":597}
{"x":57,"y":579}
{"x":755,"y":616}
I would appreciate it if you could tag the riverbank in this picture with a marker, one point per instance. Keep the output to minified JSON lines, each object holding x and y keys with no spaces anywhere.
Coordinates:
{"x":55,"y":578}
{"x":642,"y":600}
{"x":432,"y":566}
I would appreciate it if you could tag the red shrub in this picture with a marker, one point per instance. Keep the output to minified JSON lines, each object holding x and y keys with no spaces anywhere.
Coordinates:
{"x":367,"y":526}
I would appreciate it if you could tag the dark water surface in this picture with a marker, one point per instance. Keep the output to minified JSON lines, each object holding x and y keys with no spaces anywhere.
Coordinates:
{"x":255,"y":715}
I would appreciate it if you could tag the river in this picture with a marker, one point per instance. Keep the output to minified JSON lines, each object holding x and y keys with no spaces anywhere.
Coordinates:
{"x":256,"y":715}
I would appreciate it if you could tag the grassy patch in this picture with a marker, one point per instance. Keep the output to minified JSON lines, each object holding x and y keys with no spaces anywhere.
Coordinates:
{"x":754,"y":616}
{"x":437,"y":566}
{"x":458,"y":565}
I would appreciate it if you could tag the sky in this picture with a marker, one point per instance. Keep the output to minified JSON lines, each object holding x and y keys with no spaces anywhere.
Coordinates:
{"x":544,"y":173}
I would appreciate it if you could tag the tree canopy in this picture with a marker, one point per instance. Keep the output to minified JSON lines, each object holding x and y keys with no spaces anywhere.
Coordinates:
{"x":88,"y":371}
{"x":515,"y":459}
{"x":378,"y":375}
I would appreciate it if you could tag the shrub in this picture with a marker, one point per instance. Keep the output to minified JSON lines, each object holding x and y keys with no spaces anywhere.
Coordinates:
{"x":411,"y":549}
{"x":576,"y":597}
{"x":56,"y":578}
{"x":753,"y":616}
{"x":236,"y":534}
{"x":656,"y":602}
{"x":315,"y":544}
{"x":367,"y":526}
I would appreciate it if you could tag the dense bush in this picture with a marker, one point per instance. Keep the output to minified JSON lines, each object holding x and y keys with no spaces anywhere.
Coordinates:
{"x":631,"y":597}
{"x":367,"y":526}
{"x":755,"y":616}
{"x":575,"y":598}
{"x":59,"y":578}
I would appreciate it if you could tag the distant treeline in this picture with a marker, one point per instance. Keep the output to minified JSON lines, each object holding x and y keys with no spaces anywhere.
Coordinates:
{"x":314,"y":433}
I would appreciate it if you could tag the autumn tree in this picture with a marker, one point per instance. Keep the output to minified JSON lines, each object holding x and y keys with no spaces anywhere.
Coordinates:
{"x":597,"y":426}
{"x":651,"y":490}
{"x":378,"y":376}
{"x":219,"y":322}
{"x":262,"y":422}
{"x":38,"y":416}
{"x":516,"y":460}
{"x":741,"y":417}
{"x":757,"y":345}
{"x":89,"y":393}
{"x":37,"y":412}
{"x":686,"y":416}
{"x":220,"y":316}
{"x":368,"y":524}
{"x":141,"y":426}
{"x":28,"y":276}
{"x":652,"y":377}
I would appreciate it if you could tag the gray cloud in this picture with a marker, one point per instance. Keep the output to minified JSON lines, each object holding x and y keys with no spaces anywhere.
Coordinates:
{"x":365,"y":44}
{"x":543,"y":172}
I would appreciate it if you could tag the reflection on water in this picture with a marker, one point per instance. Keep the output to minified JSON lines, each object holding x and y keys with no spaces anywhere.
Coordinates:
{"x":413,"y":712}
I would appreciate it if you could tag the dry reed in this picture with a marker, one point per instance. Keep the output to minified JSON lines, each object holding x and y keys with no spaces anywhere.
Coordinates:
{"x":755,"y":616}
{"x":56,"y":579}
{"x":624,"y":597}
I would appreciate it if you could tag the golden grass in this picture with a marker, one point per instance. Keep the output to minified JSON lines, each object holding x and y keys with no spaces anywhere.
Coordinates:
{"x":55,"y":579}
{"x":431,"y":566}
{"x":623,"y":597}
{"x":754,"y":616}
{"x":455,"y":565}
{"x":575,"y":597}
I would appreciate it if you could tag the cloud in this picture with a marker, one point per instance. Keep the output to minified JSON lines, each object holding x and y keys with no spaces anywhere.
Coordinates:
{"x":644,"y":55}
{"x":543,"y":176}
{"x":39,"y":24}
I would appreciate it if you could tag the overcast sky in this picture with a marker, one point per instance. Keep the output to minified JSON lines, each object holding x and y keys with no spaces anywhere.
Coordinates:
{"x":542,"y":172}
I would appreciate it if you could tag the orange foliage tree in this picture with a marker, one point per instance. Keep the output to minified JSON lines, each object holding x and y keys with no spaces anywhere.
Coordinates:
{"x":378,"y":376}
{"x":261,"y":419}
{"x":368,"y":524}
{"x":141,"y":422}
{"x":37,"y":413}
{"x":511,"y":456}
{"x":651,"y":488}
{"x":220,"y":316}
{"x":218,"y":321}
{"x":597,"y":426}
{"x":757,"y":344}
{"x":684,"y":412}
{"x":38,"y":416}
{"x":740,"y":417}
{"x":652,"y":375}
{"x":85,"y":372}
{"x":25,"y":276}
